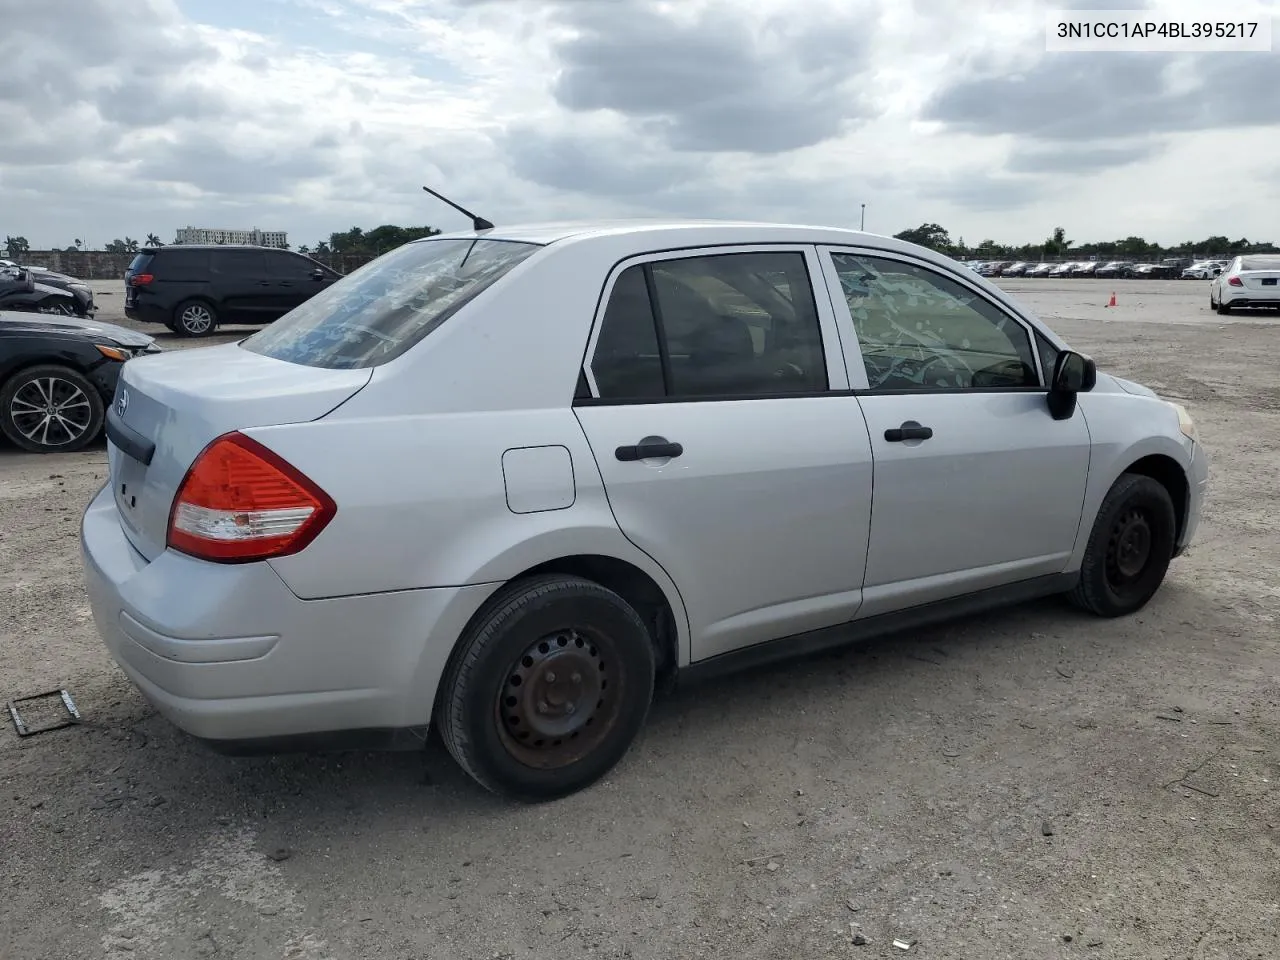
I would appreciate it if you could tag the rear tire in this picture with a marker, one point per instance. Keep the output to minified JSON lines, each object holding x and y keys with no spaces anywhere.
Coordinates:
{"x":195,"y":318}
{"x":50,"y":409}
{"x":1223,"y":307}
{"x":1129,"y":548}
{"x":547,"y":688}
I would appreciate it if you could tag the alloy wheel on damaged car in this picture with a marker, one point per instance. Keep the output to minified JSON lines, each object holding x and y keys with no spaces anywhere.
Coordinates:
{"x":49,"y":409}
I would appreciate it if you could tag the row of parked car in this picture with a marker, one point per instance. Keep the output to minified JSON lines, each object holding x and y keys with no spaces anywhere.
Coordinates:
{"x":37,"y":290}
{"x":59,"y":367}
{"x":1169,"y":269}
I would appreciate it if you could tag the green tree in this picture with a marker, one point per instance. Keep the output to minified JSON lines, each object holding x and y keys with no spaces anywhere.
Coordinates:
{"x":929,"y":235}
{"x":1057,"y":244}
{"x":17,"y":246}
{"x":378,"y":240}
{"x":153,"y":241}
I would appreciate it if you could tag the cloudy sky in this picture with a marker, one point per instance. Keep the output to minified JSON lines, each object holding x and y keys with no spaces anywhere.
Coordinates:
{"x":124,"y":117}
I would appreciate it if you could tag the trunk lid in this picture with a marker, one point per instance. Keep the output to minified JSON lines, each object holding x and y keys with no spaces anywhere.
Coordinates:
{"x":1261,"y":279}
{"x":181,"y":401}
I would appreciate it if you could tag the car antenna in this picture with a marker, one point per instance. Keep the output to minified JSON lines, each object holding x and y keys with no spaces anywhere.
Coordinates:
{"x":477,"y":223}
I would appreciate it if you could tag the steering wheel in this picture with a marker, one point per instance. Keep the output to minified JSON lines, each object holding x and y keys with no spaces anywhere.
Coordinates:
{"x":944,"y":370}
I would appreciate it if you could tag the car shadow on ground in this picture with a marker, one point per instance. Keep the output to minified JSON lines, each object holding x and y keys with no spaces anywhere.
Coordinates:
{"x":138,"y":762}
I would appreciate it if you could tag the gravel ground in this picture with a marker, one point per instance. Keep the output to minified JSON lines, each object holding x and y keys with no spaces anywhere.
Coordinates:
{"x":1028,"y":784}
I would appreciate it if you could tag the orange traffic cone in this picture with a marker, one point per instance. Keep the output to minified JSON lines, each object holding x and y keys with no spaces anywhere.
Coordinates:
{"x":1112,"y":302}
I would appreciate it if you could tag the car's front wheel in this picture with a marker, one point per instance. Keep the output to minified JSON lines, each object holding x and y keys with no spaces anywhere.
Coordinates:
{"x":547,"y":689}
{"x":195,"y":318}
{"x":50,"y":409}
{"x":1129,"y":549}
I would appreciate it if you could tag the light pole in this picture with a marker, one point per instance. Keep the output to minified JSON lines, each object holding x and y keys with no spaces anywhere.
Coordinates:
{"x":862,"y":225}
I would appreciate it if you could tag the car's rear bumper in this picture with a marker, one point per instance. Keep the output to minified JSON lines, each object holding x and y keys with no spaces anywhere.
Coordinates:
{"x":229,"y":654}
{"x":1250,"y":298}
{"x":144,"y":311}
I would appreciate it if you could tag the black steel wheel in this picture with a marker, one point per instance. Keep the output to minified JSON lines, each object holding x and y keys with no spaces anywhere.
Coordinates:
{"x":1129,"y":549}
{"x":547,"y":689}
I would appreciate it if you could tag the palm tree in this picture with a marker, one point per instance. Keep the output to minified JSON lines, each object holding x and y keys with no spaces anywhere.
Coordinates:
{"x":153,"y":240}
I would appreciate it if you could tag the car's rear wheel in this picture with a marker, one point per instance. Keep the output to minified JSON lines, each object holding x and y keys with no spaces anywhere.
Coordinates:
{"x":50,"y":409}
{"x":195,"y":318}
{"x":1129,"y":548}
{"x":1223,"y":307}
{"x":547,"y":688}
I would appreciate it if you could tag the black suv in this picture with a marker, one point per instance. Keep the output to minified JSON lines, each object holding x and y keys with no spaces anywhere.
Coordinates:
{"x":193,"y":288}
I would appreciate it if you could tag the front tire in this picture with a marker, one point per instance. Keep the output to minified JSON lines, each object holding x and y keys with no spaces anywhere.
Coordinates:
{"x":195,"y":318}
{"x":547,"y":689}
{"x":1129,"y":548}
{"x":50,"y":409}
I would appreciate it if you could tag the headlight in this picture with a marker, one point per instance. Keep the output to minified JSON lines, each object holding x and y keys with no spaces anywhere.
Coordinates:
{"x":1185,"y":423}
{"x":113,"y":353}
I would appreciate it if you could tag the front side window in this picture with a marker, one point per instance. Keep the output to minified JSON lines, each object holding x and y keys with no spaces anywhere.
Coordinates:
{"x":737,"y":324}
{"x":379,"y":311}
{"x":920,"y":330}
{"x":288,"y":266}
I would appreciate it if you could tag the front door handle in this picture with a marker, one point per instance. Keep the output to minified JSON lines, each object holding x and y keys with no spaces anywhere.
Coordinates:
{"x":649,"y":448}
{"x":910,"y":430}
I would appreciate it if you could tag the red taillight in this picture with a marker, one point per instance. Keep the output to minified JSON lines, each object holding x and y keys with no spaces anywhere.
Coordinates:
{"x":1235,"y":282}
{"x":240,"y":502}
{"x":140,"y":279}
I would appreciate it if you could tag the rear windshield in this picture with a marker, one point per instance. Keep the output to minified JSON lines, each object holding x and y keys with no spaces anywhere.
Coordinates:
{"x":379,"y":311}
{"x":1260,"y":263}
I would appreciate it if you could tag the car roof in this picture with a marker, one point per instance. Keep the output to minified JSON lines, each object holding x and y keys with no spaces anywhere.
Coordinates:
{"x":211,"y":246}
{"x":650,"y":230}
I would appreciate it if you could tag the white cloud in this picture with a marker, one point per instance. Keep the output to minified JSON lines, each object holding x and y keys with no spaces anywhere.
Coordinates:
{"x":316,"y":115}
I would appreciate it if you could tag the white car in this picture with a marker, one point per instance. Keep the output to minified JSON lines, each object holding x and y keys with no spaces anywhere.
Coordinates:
{"x":1251,"y":280}
{"x":1204,"y":270}
{"x":506,"y":482}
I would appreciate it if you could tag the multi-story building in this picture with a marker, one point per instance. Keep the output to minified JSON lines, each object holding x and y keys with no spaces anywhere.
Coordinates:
{"x":256,"y":237}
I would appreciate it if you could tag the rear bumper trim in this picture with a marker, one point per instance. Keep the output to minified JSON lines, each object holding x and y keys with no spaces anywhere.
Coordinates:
{"x":128,"y":439}
{"x":219,"y":650}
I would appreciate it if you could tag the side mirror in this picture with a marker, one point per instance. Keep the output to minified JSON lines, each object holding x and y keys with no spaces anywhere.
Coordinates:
{"x":317,"y":274}
{"x":1073,"y":373}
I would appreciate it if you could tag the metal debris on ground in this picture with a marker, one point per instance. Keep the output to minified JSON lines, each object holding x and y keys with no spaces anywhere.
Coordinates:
{"x":903,"y":944}
{"x":20,"y":724}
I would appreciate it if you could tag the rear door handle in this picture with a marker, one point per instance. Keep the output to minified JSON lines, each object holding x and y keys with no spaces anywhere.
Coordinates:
{"x":649,"y":448}
{"x":910,"y":430}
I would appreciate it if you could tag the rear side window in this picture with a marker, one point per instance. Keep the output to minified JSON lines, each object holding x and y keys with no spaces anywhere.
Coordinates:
{"x":379,"y":311}
{"x":139,"y":263}
{"x":239,"y":263}
{"x":174,"y":263}
{"x":725,"y":325}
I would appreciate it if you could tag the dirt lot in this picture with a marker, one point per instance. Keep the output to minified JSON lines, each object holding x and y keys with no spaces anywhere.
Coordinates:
{"x":1030,"y":784}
